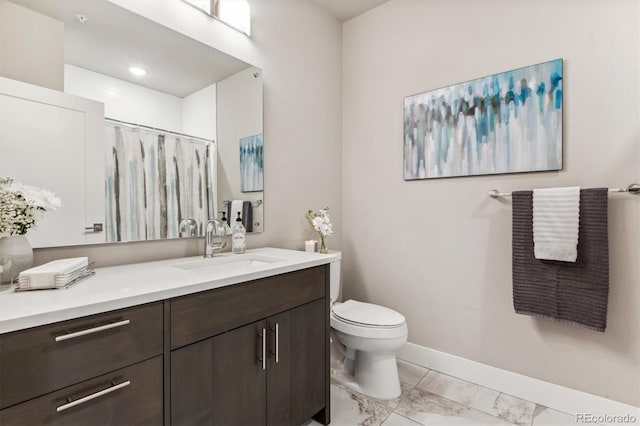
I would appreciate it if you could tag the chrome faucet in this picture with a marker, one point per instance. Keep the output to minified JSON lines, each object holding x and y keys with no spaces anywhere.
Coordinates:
{"x":188,"y":227}
{"x":214,"y":228}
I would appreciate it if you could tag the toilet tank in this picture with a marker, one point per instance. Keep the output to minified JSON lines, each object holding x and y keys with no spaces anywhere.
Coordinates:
{"x":334,"y":279}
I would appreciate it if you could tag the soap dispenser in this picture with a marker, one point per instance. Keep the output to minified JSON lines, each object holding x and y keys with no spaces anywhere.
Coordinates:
{"x":238,"y":237}
{"x":227,"y":226}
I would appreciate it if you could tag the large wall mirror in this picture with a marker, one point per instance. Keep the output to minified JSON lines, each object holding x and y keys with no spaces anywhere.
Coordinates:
{"x":177,"y":139}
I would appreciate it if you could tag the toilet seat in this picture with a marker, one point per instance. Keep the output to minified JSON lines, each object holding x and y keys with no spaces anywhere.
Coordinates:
{"x":367,"y":314}
{"x":367,"y":320}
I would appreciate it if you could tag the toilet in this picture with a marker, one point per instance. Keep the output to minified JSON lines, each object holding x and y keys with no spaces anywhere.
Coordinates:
{"x":367,"y":336}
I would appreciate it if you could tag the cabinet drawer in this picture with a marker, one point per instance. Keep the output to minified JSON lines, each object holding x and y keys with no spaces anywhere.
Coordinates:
{"x":202,"y":315}
{"x":43,"y":359}
{"x":130,"y":396}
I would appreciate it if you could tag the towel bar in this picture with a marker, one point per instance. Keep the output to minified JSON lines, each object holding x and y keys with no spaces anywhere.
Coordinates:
{"x":634,"y":188}
{"x":255,"y":203}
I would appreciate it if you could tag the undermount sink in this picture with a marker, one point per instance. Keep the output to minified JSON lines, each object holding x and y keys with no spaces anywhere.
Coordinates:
{"x":230,"y":264}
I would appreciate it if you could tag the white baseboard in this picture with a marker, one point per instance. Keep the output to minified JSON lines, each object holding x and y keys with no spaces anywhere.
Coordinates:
{"x":550,"y":395}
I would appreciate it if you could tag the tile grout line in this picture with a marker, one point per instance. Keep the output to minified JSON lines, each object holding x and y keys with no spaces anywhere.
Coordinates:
{"x":400,"y":398}
{"x":499,"y":394}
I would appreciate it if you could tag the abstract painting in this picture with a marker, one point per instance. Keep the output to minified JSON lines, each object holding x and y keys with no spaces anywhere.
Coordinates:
{"x":251,"y":164}
{"x":505,"y":123}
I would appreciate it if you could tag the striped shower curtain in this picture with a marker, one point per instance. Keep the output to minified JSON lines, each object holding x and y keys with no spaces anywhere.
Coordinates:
{"x":154,"y":180}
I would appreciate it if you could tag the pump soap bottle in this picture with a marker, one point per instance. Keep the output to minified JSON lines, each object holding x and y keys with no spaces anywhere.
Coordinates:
{"x":238,"y":237}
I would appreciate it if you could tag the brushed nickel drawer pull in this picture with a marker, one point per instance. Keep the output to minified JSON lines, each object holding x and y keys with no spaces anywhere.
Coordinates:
{"x":93,"y":396}
{"x":92,"y":330}
{"x":277,"y":342}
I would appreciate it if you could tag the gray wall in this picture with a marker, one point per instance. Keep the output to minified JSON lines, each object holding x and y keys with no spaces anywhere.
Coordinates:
{"x":31,"y":47}
{"x":439,"y":251}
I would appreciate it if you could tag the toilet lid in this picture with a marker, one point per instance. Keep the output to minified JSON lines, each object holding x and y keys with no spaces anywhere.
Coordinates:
{"x":368,"y":314}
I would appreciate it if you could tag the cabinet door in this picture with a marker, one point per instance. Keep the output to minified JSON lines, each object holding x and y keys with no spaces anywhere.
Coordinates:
{"x":297,"y":364}
{"x":221,"y":380}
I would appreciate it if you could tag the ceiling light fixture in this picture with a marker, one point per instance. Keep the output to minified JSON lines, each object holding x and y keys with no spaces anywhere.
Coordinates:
{"x":137,"y":71}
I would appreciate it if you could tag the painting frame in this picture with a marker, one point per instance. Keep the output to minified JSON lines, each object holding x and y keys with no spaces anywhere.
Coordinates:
{"x":509,"y":122}
{"x":251,"y":163}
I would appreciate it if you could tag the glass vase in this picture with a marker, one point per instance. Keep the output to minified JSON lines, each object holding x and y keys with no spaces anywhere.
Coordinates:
{"x":16,"y":255}
{"x":323,"y":246}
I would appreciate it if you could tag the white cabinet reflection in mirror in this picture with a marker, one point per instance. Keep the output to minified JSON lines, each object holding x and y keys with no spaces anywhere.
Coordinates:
{"x":154,"y":180}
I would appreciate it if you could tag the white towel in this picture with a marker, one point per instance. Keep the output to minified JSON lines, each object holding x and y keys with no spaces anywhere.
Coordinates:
{"x":52,"y":274}
{"x":555,"y":223}
{"x":236,"y":207}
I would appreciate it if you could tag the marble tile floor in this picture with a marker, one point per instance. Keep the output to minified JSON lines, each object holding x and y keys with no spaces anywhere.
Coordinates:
{"x":432,"y":398}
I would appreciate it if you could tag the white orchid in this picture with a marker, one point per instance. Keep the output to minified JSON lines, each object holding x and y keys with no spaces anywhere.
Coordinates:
{"x":321,"y":222}
{"x":22,"y":205}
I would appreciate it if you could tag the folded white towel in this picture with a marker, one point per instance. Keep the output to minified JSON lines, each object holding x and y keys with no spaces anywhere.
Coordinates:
{"x":52,"y":274}
{"x":555,"y":223}
{"x":236,"y":207}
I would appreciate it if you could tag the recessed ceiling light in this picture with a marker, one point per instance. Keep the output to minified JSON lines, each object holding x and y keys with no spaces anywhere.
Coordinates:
{"x":137,"y":71}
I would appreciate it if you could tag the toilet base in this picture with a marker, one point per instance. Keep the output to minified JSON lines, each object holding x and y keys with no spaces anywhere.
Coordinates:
{"x":377,"y":375}
{"x":369,"y":365}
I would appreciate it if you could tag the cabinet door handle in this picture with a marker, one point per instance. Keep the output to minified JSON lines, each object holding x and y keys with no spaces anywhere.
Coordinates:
{"x":277,"y":342}
{"x":93,"y":396}
{"x":91,"y":330}
{"x":263,"y":333}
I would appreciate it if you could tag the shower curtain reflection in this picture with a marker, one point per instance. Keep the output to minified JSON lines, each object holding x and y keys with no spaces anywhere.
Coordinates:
{"x":155,"y":179}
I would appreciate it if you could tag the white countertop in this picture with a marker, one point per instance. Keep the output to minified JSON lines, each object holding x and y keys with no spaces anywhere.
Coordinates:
{"x":123,"y":286}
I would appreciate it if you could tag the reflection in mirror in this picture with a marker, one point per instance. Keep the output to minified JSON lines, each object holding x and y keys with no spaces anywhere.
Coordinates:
{"x":235,"y":13}
{"x":166,"y":179}
{"x":171,"y":150}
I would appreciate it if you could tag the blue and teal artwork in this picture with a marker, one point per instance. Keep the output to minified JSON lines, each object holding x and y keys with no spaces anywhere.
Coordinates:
{"x":251,"y":164}
{"x":505,"y":123}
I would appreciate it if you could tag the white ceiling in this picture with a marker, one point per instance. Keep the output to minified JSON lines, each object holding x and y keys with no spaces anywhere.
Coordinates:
{"x":347,"y":9}
{"x":114,"y":39}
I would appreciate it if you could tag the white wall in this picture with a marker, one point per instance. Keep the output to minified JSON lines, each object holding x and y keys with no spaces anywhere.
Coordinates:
{"x":31,"y":46}
{"x":193,"y":115}
{"x":239,"y":115}
{"x":125,"y":101}
{"x":198,"y":112}
{"x":298,"y":46}
{"x":439,"y":251}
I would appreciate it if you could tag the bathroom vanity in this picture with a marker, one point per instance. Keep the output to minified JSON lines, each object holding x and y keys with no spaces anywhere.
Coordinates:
{"x":236,"y":339}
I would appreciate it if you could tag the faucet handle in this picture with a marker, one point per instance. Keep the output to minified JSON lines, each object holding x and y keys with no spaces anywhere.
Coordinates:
{"x":219,"y":246}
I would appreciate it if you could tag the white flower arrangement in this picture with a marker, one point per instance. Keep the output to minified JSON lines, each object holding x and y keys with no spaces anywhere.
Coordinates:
{"x":321,"y":222}
{"x":22,"y":205}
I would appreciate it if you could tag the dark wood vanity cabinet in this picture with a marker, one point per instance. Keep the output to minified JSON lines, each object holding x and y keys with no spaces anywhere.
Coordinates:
{"x":253,"y":353}
{"x":100,"y":369}
{"x":273,"y":371}
{"x":297,"y":378}
{"x":129,"y":396}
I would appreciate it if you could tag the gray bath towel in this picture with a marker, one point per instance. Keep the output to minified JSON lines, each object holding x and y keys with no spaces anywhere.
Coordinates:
{"x":571,"y":292}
